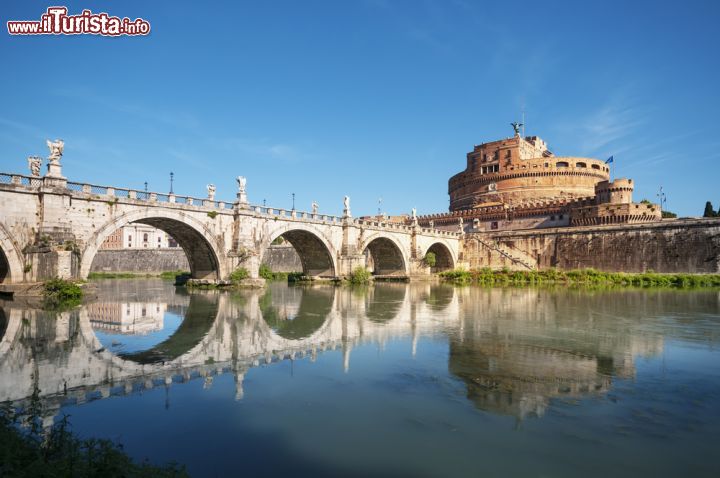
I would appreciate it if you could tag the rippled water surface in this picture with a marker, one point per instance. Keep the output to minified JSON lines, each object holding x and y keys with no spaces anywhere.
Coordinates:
{"x":393,"y":380}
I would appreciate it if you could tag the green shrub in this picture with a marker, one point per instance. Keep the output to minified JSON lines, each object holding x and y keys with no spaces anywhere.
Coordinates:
{"x":239,"y":274}
{"x":172,"y":275}
{"x":430,"y":260}
{"x":212,"y":214}
{"x":265,"y":272}
{"x":360,"y":276}
{"x":59,"y":293}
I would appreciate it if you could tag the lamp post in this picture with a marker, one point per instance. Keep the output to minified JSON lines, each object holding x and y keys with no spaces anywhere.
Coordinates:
{"x":172,"y":175}
{"x":293,"y":196}
{"x":662,"y":197}
{"x":145,"y":186}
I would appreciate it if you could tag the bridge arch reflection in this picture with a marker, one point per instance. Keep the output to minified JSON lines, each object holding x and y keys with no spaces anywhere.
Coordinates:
{"x":297,"y":312}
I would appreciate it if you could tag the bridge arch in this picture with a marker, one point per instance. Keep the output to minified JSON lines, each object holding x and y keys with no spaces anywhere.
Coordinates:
{"x":387,"y":255}
{"x":203,"y":252}
{"x":444,"y":259}
{"x":11,"y":260}
{"x":317,"y":254}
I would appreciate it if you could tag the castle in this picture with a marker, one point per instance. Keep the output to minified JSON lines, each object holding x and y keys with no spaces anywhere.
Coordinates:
{"x":518,"y":183}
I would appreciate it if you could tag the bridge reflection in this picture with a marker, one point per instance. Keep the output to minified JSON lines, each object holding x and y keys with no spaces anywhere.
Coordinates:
{"x":513,"y":349}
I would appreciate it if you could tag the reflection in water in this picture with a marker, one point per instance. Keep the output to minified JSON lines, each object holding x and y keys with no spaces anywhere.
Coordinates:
{"x":296,"y":313}
{"x":131,"y":318}
{"x":512,"y":351}
{"x":384,"y":302}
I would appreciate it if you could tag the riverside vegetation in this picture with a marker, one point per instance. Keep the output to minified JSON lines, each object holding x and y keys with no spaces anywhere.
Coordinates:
{"x":29,"y":450}
{"x":580,"y":277}
{"x":61,"y":294}
{"x":167,"y":275}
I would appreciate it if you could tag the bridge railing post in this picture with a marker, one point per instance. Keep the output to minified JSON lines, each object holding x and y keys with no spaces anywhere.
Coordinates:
{"x":110,"y":191}
{"x":171,"y":198}
{"x":132,"y":194}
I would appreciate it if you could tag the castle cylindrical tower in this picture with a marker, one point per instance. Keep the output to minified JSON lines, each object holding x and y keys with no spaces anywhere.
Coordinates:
{"x":518,"y":171}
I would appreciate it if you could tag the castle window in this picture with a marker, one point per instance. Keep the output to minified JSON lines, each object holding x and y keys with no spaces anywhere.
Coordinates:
{"x":562,"y":164}
{"x":580,"y":165}
{"x":595,"y":166}
{"x":145,"y":237}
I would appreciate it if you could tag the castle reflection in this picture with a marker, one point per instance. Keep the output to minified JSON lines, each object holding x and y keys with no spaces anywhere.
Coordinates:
{"x":513,"y":349}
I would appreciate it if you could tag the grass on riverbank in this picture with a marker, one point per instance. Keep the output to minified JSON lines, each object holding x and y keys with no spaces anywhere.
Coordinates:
{"x":488,"y":276}
{"x":168,"y":275}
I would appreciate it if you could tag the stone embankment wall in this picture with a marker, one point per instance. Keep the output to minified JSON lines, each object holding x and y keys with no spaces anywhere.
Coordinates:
{"x":281,"y":258}
{"x":686,"y":245}
{"x":140,"y":260}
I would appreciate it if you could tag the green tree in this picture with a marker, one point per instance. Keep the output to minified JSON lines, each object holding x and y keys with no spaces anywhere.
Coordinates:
{"x":430,"y":259}
{"x":709,"y":211}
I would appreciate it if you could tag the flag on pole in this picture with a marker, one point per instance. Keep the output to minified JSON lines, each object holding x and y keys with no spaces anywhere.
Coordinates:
{"x":609,"y":160}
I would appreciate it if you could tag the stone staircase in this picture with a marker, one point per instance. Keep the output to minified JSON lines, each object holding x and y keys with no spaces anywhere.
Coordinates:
{"x":513,"y":254}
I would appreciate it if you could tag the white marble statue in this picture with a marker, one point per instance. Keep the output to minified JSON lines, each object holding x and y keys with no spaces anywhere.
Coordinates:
{"x":56,"y":150}
{"x":34,"y":163}
{"x":432,"y":224}
{"x":346,"y":204}
{"x":211,"y":192}
{"x":413,"y":213}
{"x":315,"y":208}
{"x":241,"y":180}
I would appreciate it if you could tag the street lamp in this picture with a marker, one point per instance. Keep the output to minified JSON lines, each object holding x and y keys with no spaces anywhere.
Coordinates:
{"x":662,"y":197}
{"x":145,"y":186}
{"x":293,"y":196}
{"x":172,"y":175}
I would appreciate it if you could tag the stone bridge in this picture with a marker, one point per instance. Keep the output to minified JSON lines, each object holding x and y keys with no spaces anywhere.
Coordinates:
{"x":52,"y":227}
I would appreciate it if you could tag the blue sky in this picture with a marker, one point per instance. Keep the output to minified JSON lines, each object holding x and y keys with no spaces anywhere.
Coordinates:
{"x":366,"y":98}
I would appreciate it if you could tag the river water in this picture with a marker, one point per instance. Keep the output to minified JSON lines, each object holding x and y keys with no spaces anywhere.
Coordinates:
{"x":386,"y":380}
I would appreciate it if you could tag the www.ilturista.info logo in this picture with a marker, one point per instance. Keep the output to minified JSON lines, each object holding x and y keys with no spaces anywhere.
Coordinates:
{"x":57,"y":22}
